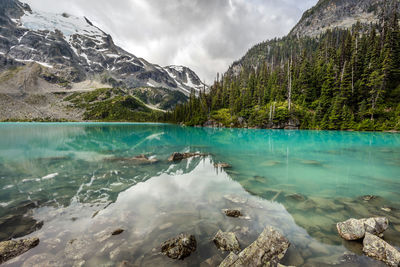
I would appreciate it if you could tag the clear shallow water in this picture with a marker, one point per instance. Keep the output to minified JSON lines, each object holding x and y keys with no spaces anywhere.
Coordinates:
{"x":301,"y":182}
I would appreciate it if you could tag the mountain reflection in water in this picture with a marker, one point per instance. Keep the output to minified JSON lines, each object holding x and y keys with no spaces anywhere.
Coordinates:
{"x":301,"y":183}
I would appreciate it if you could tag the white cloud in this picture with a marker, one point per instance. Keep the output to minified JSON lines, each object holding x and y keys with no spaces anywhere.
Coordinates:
{"x":205,"y":35}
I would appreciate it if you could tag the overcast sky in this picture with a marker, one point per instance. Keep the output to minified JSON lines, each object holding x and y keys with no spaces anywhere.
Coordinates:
{"x":205,"y":35}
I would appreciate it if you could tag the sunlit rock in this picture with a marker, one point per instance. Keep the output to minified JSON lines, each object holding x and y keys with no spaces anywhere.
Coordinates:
{"x":354,"y":229}
{"x":269,"y":248}
{"x":378,"y":249}
{"x":226,"y":241}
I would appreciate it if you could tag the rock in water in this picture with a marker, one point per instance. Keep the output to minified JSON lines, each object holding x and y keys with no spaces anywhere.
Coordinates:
{"x":226,"y":241}
{"x":269,"y":248}
{"x":13,"y":248}
{"x":222,"y":165}
{"x":354,"y":229}
{"x":179,"y":247}
{"x":233,"y":213}
{"x":145,"y":159}
{"x":378,"y":249}
{"x":117,"y":231}
{"x":176,"y":156}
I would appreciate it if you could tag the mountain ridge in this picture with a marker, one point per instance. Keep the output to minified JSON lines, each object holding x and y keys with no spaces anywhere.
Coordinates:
{"x":63,"y":41}
{"x":342,"y":77}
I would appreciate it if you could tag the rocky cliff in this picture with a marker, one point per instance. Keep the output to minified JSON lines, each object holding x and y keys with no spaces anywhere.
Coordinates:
{"x":77,"y":50}
{"x":329,"y":14}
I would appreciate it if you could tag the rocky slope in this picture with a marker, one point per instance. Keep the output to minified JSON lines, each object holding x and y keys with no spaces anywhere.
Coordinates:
{"x":46,"y":57}
{"x":77,"y":50}
{"x":329,"y":14}
{"x":325,"y":15}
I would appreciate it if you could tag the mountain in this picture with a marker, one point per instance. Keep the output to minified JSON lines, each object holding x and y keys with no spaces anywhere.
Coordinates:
{"x":45,"y":56}
{"x":328,"y":14}
{"x":79,"y":48}
{"x":338,"y":69}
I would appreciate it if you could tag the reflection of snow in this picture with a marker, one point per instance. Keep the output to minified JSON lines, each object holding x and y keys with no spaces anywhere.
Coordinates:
{"x":50,"y":176}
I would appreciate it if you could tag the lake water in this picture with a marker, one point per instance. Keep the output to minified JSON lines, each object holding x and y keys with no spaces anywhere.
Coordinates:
{"x":72,"y":184}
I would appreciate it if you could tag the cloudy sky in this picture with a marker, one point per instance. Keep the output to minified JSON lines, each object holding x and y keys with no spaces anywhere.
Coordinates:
{"x":205,"y":35}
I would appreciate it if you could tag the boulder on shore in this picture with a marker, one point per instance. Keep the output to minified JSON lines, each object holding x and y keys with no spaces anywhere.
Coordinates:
{"x":378,"y":249}
{"x":354,"y":229}
{"x":269,"y":248}
{"x":179,"y":247}
{"x":176,"y":156}
{"x":13,"y":248}
{"x":226,"y":241}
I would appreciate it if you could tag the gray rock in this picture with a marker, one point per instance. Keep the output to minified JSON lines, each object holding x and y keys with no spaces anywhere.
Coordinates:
{"x":226,"y":241}
{"x":269,"y":248}
{"x":13,"y":248}
{"x":354,"y":229}
{"x":378,"y":249}
{"x":179,"y":247}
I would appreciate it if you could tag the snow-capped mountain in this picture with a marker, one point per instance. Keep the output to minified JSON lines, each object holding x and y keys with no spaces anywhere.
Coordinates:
{"x":186,"y":78}
{"x":78,"y":50}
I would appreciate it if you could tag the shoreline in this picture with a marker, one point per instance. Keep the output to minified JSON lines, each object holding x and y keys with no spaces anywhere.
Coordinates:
{"x":182,"y":125}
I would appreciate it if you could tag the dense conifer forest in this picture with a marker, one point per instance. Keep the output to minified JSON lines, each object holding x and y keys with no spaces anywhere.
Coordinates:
{"x":343,"y":79}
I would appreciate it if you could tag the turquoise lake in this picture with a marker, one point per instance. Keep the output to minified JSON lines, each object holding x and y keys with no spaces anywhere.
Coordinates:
{"x":71,"y":184}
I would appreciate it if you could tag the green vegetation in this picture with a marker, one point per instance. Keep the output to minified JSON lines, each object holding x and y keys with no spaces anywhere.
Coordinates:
{"x":344,"y":79}
{"x":113,"y":105}
{"x":164,"y":98}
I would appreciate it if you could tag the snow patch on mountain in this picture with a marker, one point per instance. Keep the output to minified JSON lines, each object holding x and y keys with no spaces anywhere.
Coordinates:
{"x":67,"y":24}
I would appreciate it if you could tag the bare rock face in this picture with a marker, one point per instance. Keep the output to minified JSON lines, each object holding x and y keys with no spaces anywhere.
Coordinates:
{"x":13,"y":248}
{"x":226,"y":241}
{"x":269,"y":248}
{"x":179,"y":247}
{"x":354,"y":229}
{"x":378,"y":249}
{"x":176,"y":156}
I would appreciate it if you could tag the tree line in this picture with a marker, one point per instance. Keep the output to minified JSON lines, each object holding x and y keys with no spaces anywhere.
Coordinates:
{"x":342,"y":79}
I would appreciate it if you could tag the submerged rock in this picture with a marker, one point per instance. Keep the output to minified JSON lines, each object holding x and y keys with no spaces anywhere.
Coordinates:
{"x":233,"y":213}
{"x":269,"y":248}
{"x":176,"y":156}
{"x":235,"y":199}
{"x":141,"y":159}
{"x":145,"y":159}
{"x":378,"y":249}
{"x":226,"y":241}
{"x":295,"y":197}
{"x":367,"y":198}
{"x":13,"y":248}
{"x":222,"y":165}
{"x":354,"y":229}
{"x":179,"y":247}
{"x":117,"y":231}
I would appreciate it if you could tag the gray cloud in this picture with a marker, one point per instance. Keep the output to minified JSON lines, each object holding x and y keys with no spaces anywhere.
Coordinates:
{"x":205,"y":35}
